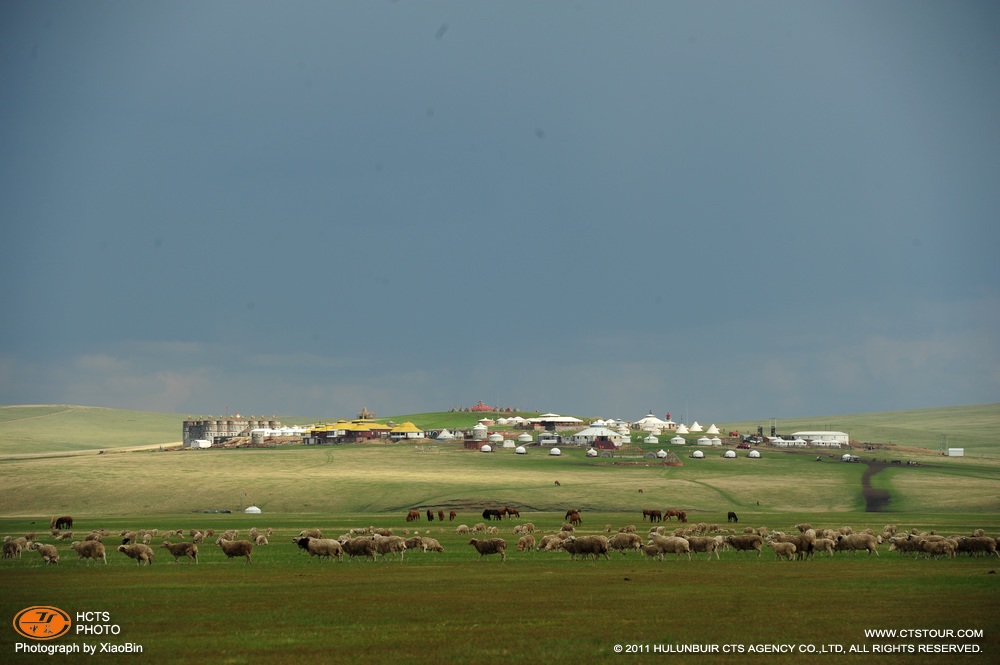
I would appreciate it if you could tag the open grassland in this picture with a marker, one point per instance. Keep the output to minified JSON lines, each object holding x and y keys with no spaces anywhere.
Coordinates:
{"x":455,"y":607}
{"x":534,"y":607}
{"x":390,"y":478}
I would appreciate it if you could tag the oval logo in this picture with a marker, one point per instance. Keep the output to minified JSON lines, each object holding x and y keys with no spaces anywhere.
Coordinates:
{"x":41,"y":622}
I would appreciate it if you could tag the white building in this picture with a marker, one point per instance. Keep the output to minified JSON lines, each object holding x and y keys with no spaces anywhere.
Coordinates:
{"x":822,"y":438}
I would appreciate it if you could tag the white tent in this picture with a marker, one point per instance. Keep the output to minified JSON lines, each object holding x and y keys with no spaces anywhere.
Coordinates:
{"x":682,"y":429}
{"x":486,"y":449}
{"x":730,"y":454}
{"x":508,"y":443}
{"x":495,"y":437}
{"x":695,"y":427}
{"x":524,"y":438}
{"x":555,"y":451}
{"x":591,"y":452}
{"x":252,"y":510}
{"x":592,"y":434}
{"x":697,"y":454}
{"x":520,"y":450}
{"x":678,"y":441}
{"x":445,"y":435}
{"x":651,"y":439}
{"x":754,"y":453}
{"x":716,"y":441}
{"x":704,"y":441}
{"x":712,"y":429}
{"x":661,"y":453}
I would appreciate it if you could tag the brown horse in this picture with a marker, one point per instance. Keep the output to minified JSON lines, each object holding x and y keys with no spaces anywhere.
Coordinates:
{"x":413,"y":516}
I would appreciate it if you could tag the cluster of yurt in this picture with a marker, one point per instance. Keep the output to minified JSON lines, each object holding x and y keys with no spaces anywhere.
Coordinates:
{"x":729,"y":454}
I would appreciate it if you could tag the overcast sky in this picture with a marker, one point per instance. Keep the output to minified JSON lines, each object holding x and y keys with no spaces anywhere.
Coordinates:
{"x":722,"y":210}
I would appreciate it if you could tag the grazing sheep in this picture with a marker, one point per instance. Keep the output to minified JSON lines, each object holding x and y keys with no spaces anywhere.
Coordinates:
{"x":978,"y":533}
{"x":782,"y":549}
{"x":189,"y":550}
{"x":462,"y":528}
{"x":363,"y":547}
{"x":549,"y":543}
{"x":139,"y":552}
{"x":231,"y":534}
{"x":320,"y":547}
{"x":430,"y":545}
{"x":803,"y":527}
{"x":390,"y":545}
{"x":89,"y":549}
{"x":12,"y":549}
{"x":233,"y":548}
{"x":905,"y":544}
{"x":623,"y":542}
{"x":525,"y":543}
{"x":652,"y":551}
{"x":480,"y":527}
{"x":261,"y":539}
{"x":704,"y":544}
{"x":49,"y":553}
{"x":586,"y":546}
{"x":803,"y":542}
{"x":310,"y":533}
{"x":489,"y":546}
{"x":858,"y":541}
{"x":671,"y":545}
{"x":745,"y":542}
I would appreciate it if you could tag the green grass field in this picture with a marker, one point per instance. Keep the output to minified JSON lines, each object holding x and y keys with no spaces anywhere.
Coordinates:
{"x":454,"y":607}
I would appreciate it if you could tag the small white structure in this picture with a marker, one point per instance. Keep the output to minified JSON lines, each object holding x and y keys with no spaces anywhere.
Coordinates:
{"x":678,"y":441}
{"x":548,"y":439}
{"x":716,"y":441}
{"x":704,"y":441}
{"x":479,"y":432}
{"x":592,"y":434}
{"x":198,"y":444}
{"x":754,"y":454}
{"x":695,"y":427}
{"x":487,"y":448}
{"x":508,"y":443}
{"x":520,"y":450}
{"x":495,"y":437}
{"x":651,"y":422}
{"x":252,"y":510}
{"x":651,"y":439}
{"x":823,"y":438}
{"x":661,"y":453}
{"x":682,"y":429}
{"x":712,"y":429}
{"x":445,"y":435}
{"x":697,"y":454}
{"x":591,"y":452}
{"x":730,"y":454}
{"x":956,"y":452}
{"x":524,"y":438}
{"x":555,"y":452}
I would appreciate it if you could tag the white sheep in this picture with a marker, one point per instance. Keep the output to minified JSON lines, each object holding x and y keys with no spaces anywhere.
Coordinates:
{"x":430,"y":545}
{"x":391,"y":545}
{"x":49,"y":553}
{"x":623,"y":542}
{"x":234,"y":548}
{"x":823,"y":545}
{"x":139,"y":552}
{"x":488,"y":546}
{"x":936,"y":548}
{"x":704,"y":544}
{"x":320,"y":547}
{"x":858,"y":541}
{"x":462,"y":528}
{"x":189,"y":550}
{"x":782,"y":549}
{"x":671,"y":545}
{"x":261,"y":539}
{"x":89,"y":549}
{"x":586,"y":546}
{"x":312,"y":533}
{"x":525,"y":543}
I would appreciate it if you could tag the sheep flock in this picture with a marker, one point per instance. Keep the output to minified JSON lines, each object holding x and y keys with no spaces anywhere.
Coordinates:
{"x":687,"y":542}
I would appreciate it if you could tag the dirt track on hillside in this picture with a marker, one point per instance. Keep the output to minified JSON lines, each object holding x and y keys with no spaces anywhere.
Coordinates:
{"x":876,"y":500}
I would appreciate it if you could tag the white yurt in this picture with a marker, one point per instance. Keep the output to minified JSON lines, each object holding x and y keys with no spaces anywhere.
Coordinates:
{"x":486,"y":449}
{"x":591,"y":452}
{"x":445,"y":435}
{"x":502,"y":421}
{"x":697,"y":454}
{"x":555,"y":451}
{"x":730,"y":454}
{"x":682,"y":429}
{"x":479,"y":432}
{"x":704,"y":441}
{"x":520,"y":450}
{"x":678,"y":441}
{"x":753,"y":453}
{"x":524,"y":438}
{"x":495,"y":438}
{"x":695,"y":427}
{"x":651,"y":439}
{"x":712,"y":429}
{"x":252,"y":510}
{"x":716,"y":441}
{"x":661,"y":453}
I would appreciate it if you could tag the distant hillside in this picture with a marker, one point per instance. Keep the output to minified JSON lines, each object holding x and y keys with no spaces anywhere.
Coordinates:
{"x":59,"y":428}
